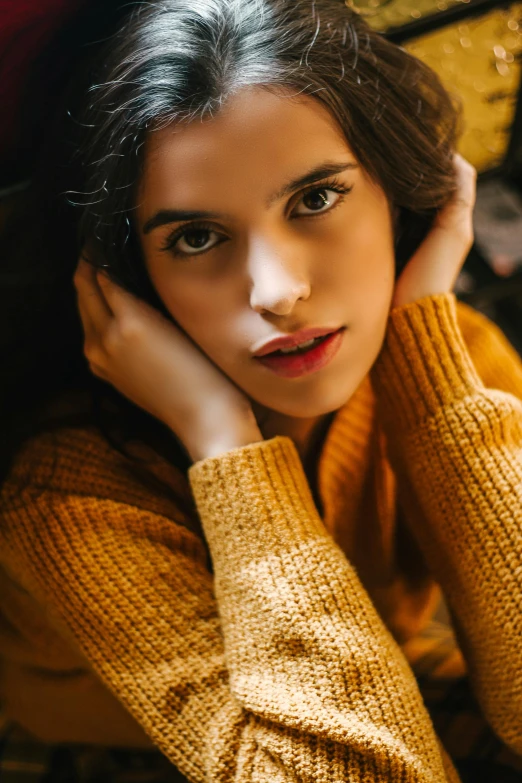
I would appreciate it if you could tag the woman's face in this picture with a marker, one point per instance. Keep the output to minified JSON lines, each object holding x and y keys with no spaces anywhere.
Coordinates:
{"x":269,"y":260}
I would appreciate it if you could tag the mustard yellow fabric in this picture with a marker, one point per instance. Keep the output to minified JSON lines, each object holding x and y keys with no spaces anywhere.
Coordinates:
{"x":287,"y":664}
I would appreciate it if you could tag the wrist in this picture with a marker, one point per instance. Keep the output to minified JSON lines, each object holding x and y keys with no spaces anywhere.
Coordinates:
{"x":233,"y":439}
{"x":424,"y":364}
{"x":220,"y":431}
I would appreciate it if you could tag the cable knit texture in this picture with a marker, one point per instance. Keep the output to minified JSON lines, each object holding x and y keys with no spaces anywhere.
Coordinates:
{"x":286,"y":663}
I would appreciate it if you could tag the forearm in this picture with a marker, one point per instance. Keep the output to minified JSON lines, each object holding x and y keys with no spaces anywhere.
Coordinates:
{"x":458,"y":446}
{"x":289,"y":675}
{"x":305,"y":647}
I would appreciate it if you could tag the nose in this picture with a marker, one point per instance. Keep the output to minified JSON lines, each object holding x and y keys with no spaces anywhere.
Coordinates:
{"x":279,"y":277}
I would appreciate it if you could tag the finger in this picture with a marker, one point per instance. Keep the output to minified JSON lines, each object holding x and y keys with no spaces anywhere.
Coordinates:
{"x":89,"y":331}
{"x":94,"y":307}
{"x":466,"y":181}
{"x":87,"y":324}
{"x":457,"y":215}
{"x":91,"y":339}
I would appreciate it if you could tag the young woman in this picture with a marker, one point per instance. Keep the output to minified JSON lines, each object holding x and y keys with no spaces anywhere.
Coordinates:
{"x":211,"y":546}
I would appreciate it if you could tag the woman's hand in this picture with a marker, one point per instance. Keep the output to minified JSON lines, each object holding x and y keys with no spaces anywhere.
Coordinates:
{"x":434,"y":267}
{"x":148,"y":359}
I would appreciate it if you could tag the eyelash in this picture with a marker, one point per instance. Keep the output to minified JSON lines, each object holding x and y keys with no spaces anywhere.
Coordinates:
{"x":333,"y":184}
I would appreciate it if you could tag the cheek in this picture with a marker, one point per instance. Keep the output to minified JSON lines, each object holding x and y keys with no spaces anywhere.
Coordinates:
{"x":182,"y":298}
{"x":368,"y":257}
{"x":202,"y":315}
{"x":197,"y":315}
{"x":369,"y":275}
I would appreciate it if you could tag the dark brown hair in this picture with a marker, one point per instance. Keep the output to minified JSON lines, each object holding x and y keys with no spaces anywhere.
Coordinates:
{"x":182,"y":59}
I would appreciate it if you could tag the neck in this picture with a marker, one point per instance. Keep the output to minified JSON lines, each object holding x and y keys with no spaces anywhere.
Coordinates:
{"x":305,"y":433}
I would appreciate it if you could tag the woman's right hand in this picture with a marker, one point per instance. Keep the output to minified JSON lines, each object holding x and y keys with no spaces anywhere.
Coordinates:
{"x":152,"y":362}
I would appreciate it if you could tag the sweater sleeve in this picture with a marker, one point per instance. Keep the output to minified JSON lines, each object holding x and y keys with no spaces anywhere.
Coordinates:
{"x":277,"y":669}
{"x":456,"y":444}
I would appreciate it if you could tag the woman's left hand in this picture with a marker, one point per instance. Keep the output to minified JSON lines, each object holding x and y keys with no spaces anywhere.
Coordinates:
{"x":435,"y":266}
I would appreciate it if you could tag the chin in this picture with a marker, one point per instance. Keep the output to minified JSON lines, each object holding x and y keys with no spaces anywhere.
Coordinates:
{"x":324,"y":402}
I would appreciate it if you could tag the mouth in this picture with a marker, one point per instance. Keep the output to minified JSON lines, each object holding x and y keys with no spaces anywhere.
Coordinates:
{"x":310,"y":357}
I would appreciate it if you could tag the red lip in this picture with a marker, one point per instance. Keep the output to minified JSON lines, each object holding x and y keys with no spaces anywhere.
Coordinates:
{"x":313,"y":359}
{"x":291,"y":340}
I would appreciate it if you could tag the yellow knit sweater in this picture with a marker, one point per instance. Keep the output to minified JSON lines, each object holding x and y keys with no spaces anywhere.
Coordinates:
{"x":286,"y":665}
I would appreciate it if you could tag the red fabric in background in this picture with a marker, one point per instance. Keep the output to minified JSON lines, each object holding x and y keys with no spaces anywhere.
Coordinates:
{"x":26,"y":27}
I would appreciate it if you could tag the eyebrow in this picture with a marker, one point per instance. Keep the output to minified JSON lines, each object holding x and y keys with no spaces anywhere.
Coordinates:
{"x":327,"y":169}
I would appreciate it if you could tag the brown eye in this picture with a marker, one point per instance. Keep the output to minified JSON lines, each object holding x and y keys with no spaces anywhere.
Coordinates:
{"x":192,"y":241}
{"x":316,"y":200}
{"x":321,"y":198}
{"x":196,"y":238}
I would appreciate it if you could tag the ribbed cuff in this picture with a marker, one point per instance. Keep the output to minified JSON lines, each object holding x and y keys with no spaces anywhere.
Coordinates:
{"x":254,"y":499}
{"x":424,"y":364}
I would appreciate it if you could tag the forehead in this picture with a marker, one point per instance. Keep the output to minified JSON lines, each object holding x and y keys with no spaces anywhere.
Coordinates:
{"x":258,"y":135}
